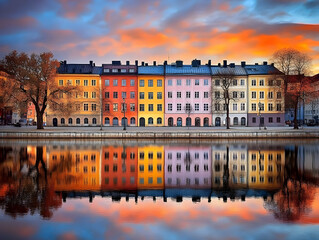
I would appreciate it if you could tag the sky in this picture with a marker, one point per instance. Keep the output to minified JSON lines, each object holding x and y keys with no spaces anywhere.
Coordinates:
{"x":104,"y":30}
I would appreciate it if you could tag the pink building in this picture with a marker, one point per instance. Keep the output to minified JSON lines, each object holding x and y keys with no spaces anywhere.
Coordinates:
{"x":188,"y":167}
{"x":187,"y":94}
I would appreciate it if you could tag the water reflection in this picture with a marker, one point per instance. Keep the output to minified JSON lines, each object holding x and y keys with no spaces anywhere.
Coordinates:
{"x":37,"y":179}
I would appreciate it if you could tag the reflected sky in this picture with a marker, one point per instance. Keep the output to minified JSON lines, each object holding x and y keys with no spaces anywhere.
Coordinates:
{"x":33,"y":202}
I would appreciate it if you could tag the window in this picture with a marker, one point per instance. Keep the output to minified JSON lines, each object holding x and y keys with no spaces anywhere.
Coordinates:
{"x":234,"y":94}
{"x":93,"y":82}
{"x":278,"y":107}
{"x":278,"y":95}
{"x":179,"y":94}
{"x":115,"y":82}
{"x":261,"y":95}
{"x":77,"y":82}
{"x":132,"y":81}
{"x":242,"y":107}
{"x":150,"y":82}
{"x":217,"y":82}
{"x":170,"y":82}
{"x":141,"y":95}
{"x":270,"y":95}
{"x":107,"y":107}
{"x":131,"y":70}
{"x":270,"y":107}
{"x":169,"y":94}
{"x":196,"y":82}
{"x":107,"y":82}
{"x":196,"y":94}
{"x":206,"y":82}
{"x":234,"y":106}
{"x":254,"y":120}
{"x":123,"y":82}
{"x":159,"y":95}
{"x":142,"y":107}
{"x":115,"y":107}
{"x":278,"y":119}
{"x":188,"y":94}
{"x":262,"y":107}
{"x":132,"y":95}
{"x":86,"y":107}
{"x":253,"y":106}
{"x":188,"y":82}
{"x":205,"y":94}
{"x":253,"y":82}
{"x":115,"y":95}
{"x":150,"y":121}
{"x":179,"y":106}
{"x":69,"y":82}
{"x":179,"y":82}
{"x":61,"y":95}
{"x":253,"y":95}
{"x":150,"y":107}
{"x":242,"y":94}
{"x":106,"y":70}
{"x":107,"y":94}
{"x":123,"y":70}
{"x":234,"y":82}
{"x":170,"y":107}
{"x":115,"y":70}
{"x":86,"y":94}
{"x":60,"y":82}
{"x":242,"y":82}
{"x":141,"y":83}
{"x":93,"y":94}
{"x":159,"y":120}
{"x":150,"y":95}
{"x":261,"y":82}
{"x":188,"y":107}
{"x":132,"y":107}
{"x":159,"y":82}
{"x":196,"y":107}
{"x":86,"y":82}
{"x":93,"y":107}
{"x":205,"y":106}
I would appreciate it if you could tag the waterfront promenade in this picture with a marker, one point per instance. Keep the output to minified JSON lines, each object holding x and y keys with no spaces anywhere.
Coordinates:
{"x":156,"y":132}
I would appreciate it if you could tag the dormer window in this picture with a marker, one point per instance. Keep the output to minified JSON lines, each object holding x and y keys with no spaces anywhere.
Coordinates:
{"x":114,"y":70}
{"x":131,"y":70}
{"x":106,"y":70}
{"x":123,"y":70}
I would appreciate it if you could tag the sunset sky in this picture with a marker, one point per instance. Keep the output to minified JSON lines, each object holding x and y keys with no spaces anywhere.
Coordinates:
{"x":146,"y":30}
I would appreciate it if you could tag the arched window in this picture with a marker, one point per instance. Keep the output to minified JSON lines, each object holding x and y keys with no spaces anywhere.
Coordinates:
{"x":217,"y":122}
{"x":70,"y":121}
{"x":206,"y":122}
{"x":115,"y":121}
{"x":235,"y":120}
{"x":179,"y":122}
{"x":94,"y":121}
{"x":78,"y":121}
{"x":107,"y":121}
{"x":150,"y":121}
{"x":62,"y":121}
{"x":132,"y":121}
{"x":243,"y":121}
{"x":188,"y":122}
{"x":142,"y":122}
{"x":55,"y":122}
{"x":86,"y":121}
{"x":197,"y":122}
{"x":159,"y":120}
{"x":170,"y":122}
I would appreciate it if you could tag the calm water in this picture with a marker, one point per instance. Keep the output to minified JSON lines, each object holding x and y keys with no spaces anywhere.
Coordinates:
{"x":162,"y":190}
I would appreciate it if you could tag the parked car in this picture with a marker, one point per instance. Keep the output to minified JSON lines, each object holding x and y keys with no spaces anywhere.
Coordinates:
{"x":311,"y":123}
{"x":17,"y":124}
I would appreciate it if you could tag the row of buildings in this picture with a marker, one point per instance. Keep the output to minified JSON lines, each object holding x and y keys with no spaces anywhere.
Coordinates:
{"x":167,"y":95}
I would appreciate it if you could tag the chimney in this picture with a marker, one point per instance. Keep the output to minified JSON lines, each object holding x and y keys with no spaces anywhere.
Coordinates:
{"x":142,"y":63}
{"x":127,"y":63}
{"x":209,"y":62}
{"x":256,"y":64}
{"x":243,"y":64}
{"x":91,"y":63}
{"x":116,"y":63}
{"x":265,"y":63}
{"x":64,"y":62}
{"x":146,"y":64}
{"x":179,"y":63}
{"x":136,"y":62}
{"x":154,"y":63}
{"x":225,"y":63}
{"x":195,"y":63}
{"x":165,"y":63}
{"x":232,"y":65}
{"x":219,"y":65}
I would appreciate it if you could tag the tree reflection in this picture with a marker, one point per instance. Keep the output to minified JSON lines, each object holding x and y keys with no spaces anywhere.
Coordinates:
{"x":29,"y":192}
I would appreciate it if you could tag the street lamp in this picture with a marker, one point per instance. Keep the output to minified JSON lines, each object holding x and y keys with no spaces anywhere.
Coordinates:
{"x":124,"y":108}
{"x":259,"y":107}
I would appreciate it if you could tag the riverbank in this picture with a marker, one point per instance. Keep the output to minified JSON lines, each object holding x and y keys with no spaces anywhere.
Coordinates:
{"x":30,"y":132}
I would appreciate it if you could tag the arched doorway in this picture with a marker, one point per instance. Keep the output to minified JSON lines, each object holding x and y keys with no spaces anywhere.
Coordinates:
{"x":206,"y":122}
{"x":115,"y":121}
{"x":78,"y":121}
{"x":235,"y":121}
{"x":124,"y":121}
{"x":55,"y":122}
{"x":197,"y":122}
{"x":243,"y":121}
{"x":107,"y":121}
{"x":179,"y":122}
{"x":70,"y":121}
{"x":170,"y":122}
{"x":142,"y":122}
{"x":86,"y":121}
{"x":159,"y":121}
{"x":150,"y":121}
{"x":217,"y":122}
{"x":132,"y":121}
{"x":94,"y":121}
{"x":62,"y":121}
{"x":188,"y":122}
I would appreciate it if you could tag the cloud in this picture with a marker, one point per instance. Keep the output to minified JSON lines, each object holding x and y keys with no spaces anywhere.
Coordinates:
{"x":73,"y":8}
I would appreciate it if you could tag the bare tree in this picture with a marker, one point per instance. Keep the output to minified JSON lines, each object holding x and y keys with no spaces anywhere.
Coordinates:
{"x":226,"y":78}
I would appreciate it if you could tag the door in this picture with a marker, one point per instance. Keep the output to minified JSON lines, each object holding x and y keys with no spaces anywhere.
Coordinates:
{"x":170,"y":122}
{"x":55,"y":122}
{"x":179,"y":122}
{"x":217,"y":122}
{"x":142,"y":122}
{"x":188,"y":122}
{"x":197,"y":122}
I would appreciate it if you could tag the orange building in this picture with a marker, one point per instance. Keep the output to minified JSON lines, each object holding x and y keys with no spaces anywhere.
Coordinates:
{"x":119,"y":168}
{"x":119,"y":90}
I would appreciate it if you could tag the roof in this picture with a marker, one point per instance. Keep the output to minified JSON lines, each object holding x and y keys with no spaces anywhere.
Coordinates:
{"x":237,"y":70}
{"x":79,"y":69}
{"x":187,"y":70}
{"x":261,"y":70}
{"x":151,"y":70}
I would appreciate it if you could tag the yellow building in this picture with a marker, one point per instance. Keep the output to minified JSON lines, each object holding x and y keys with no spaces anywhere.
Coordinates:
{"x":77,"y":101}
{"x":74,"y":169}
{"x":150,"y":167}
{"x":151,"y":96}
{"x":265,"y":96}
{"x":266,"y":168}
